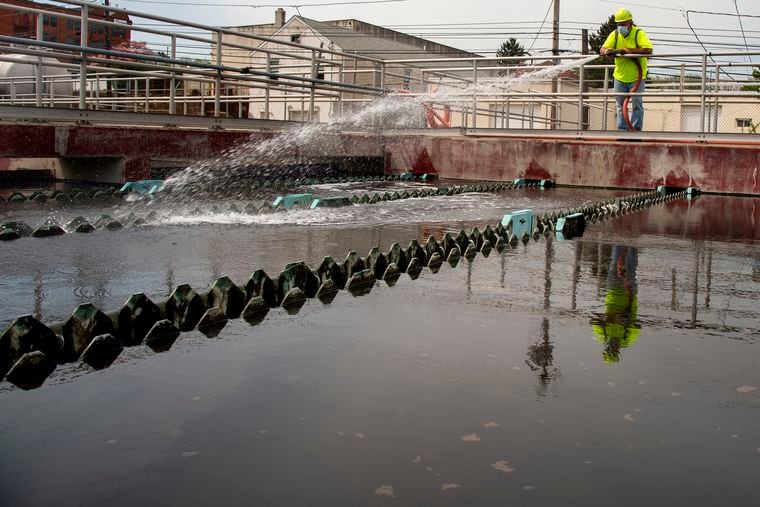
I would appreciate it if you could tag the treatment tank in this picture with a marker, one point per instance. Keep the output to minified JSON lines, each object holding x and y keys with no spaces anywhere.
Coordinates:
{"x":18,"y":77}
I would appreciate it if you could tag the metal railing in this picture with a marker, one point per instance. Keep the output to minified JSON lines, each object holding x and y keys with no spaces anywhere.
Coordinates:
{"x":212,"y":71}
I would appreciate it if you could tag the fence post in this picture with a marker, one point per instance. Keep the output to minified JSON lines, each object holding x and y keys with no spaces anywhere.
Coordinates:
{"x":38,"y":85}
{"x":173,"y":84}
{"x":703,"y":97}
{"x":84,"y":29}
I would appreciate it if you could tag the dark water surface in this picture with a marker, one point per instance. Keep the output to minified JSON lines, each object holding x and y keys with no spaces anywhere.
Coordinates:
{"x":619,"y":368}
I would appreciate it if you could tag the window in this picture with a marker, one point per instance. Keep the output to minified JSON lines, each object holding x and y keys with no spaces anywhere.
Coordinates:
{"x":50,"y":20}
{"x":98,"y":44}
{"x":72,"y":41}
{"x":296,"y":37}
{"x":744,"y":123}
{"x":119,"y":33}
{"x":274,"y":63}
{"x":407,"y":79}
{"x":72,"y":24}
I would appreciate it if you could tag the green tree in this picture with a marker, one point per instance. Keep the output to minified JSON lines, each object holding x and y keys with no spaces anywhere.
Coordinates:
{"x":510,"y":48}
{"x":595,"y":42}
{"x":756,"y":77}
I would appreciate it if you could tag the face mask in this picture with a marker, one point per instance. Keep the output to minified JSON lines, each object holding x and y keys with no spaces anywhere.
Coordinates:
{"x":624,"y":30}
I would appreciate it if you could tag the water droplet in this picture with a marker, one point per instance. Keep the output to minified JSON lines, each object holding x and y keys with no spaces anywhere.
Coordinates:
{"x":675,"y":394}
{"x":746,"y":389}
{"x":263,"y":432}
{"x":341,"y":433}
{"x":359,"y":435}
{"x":385,"y":490}
{"x":113,"y":441}
{"x":417,"y":459}
{"x":491,"y":424}
{"x":190,"y":454}
{"x":628,"y":417}
{"x":611,"y":384}
{"x":529,"y":488}
{"x":472,"y":437}
{"x":452,"y":485}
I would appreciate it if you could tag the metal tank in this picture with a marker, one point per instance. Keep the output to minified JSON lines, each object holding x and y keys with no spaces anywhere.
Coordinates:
{"x":18,"y":75}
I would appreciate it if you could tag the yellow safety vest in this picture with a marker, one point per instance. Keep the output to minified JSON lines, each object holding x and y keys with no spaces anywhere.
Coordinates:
{"x":625,"y":68}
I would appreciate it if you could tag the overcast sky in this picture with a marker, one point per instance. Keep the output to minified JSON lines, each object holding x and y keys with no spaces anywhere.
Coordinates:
{"x":665,"y":20}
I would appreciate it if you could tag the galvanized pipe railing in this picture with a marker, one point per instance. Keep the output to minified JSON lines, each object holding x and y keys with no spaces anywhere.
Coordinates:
{"x":319,"y":77}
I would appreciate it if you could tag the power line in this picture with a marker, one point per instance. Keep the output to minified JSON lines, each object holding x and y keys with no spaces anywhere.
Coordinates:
{"x":741,"y":25}
{"x":548,"y":9}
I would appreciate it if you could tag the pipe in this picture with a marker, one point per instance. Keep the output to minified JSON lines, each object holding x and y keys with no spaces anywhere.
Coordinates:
{"x":628,"y":97}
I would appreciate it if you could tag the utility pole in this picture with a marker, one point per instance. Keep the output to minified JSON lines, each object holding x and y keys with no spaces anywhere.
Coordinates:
{"x":555,"y":52}
{"x":555,"y":30}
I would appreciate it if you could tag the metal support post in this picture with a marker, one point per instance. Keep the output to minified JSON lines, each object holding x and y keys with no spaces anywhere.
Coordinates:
{"x":147,"y":95}
{"x":606,"y":91}
{"x":703,"y":97}
{"x":173,"y":83}
{"x":474,"y":94}
{"x":83,"y":64}
{"x":716,"y":100}
{"x":38,"y":85}
{"x":311,"y":88}
{"x":203,"y":99}
{"x":581,"y":89}
{"x":340,"y":94}
{"x":218,"y":83}
{"x":268,"y":86}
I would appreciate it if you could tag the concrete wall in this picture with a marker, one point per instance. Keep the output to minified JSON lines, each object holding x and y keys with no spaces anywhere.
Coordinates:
{"x":725,"y":169}
{"x":117,"y":154}
{"x":712,"y":167}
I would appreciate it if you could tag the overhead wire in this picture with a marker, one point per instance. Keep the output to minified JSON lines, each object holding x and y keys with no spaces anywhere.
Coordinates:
{"x":741,"y":25}
{"x":548,"y":9}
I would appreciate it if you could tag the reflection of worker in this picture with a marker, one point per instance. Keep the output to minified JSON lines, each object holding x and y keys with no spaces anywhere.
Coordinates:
{"x":628,"y":39}
{"x":617,"y":329}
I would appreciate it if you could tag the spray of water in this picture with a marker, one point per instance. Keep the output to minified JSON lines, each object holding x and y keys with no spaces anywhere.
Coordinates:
{"x":303,"y":151}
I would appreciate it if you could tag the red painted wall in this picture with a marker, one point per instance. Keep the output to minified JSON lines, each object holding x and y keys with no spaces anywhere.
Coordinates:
{"x":725,"y":169}
{"x":713,"y":168}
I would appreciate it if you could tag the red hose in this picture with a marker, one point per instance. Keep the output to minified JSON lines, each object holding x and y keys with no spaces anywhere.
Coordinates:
{"x":628,"y":97}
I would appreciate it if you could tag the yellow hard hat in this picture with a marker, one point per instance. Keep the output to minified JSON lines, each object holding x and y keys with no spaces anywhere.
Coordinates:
{"x":623,"y":15}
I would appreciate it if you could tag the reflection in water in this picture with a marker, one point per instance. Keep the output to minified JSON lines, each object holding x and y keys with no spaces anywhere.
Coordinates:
{"x":541,"y":353}
{"x":618,"y":329}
